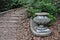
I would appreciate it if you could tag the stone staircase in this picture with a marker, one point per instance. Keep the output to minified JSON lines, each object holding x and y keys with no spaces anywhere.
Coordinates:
{"x":9,"y":23}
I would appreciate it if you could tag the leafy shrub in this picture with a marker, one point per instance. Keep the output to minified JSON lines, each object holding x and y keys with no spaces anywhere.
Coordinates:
{"x":52,"y":19}
{"x":5,"y":4}
{"x":26,"y":3}
{"x":57,"y":4}
{"x":8,"y":4}
{"x":43,"y":6}
{"x":46,"y":7}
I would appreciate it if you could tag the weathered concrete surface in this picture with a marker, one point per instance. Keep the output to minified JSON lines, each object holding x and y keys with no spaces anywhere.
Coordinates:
{"x":9,"y":23}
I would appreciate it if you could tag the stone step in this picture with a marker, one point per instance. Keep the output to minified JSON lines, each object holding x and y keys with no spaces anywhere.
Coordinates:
{"x":9,"y":17}
{"x":9,"y":21}
{"x":15,"y":15}
{"x":8,"y":33}
{"x":4,"y":20}
{"x":9,"y":25}
{"x":1,"y":23}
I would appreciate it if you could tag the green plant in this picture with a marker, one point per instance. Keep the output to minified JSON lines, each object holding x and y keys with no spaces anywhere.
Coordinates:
{"x":57,"y":4}
{"x":42,"y":6}
{"x":46,"y":7}
{"x":26,"y":3}
{"x":9,"y":4}
{"x":32,"y":11}
{"x":6,"y":4}
{"x":52,"y":19}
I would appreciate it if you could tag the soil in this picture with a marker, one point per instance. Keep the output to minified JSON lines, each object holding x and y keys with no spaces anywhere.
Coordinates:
{"x":24,"y":33}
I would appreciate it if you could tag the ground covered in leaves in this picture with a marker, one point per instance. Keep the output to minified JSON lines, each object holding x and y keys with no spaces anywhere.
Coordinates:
{"x":24,"y":33}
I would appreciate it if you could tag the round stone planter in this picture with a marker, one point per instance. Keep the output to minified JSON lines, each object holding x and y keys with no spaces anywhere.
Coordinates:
{"x":37,"y":24}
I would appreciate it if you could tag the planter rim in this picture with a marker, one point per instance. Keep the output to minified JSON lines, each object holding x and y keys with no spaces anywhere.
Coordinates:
{"x":41,"y":14}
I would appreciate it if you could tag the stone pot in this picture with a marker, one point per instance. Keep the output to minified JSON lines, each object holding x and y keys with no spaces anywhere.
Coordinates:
{"x":37,"y":24}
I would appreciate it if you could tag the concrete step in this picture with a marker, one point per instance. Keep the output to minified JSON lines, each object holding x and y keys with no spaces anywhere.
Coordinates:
{"x":9,"y":21}
{"x":8,"y":25}
{"x":9,"y":17}
{"x":8,"y":33}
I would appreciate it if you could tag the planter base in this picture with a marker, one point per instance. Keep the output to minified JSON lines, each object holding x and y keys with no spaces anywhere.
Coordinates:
{"x":39,"y":30}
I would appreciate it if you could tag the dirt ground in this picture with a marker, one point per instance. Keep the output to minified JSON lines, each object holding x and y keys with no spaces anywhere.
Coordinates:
{"x":23,"y":32}
{"x":16,"y":23}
